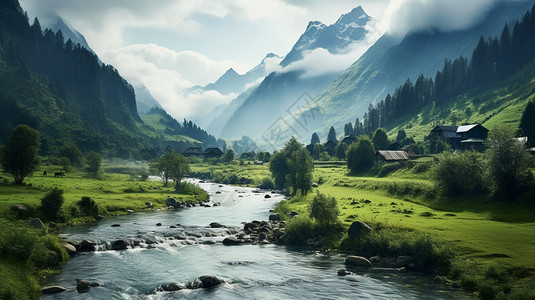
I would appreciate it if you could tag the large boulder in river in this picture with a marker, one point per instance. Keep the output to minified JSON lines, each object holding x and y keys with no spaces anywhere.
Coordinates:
{"x":119,"y":245}
{"x":209,"y":281}
{"x":358,"y":261}
{"x":82,"y":286}
{"x":87,"y":246}
{"x":36,"y":223}
{"x":71,"y":250}
{"x":358,"y":229}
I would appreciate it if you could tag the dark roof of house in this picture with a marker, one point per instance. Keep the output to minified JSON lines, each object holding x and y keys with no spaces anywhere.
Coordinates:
{"x":446,"y":128}
{"x":213,"y":151}
{"x":391,"y":155}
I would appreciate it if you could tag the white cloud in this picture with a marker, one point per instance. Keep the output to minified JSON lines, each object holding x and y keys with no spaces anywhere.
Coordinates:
{"x":167,"y":74}
{"x":406,"y":16}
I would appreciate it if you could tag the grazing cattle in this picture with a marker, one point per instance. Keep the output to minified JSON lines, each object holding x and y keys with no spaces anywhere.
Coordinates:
{"x":59,"y":174}
{"x":45,"y":173}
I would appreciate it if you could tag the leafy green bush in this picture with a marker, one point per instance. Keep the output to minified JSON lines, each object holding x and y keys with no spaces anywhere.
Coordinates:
{"x":459,"y":174}
{"x":88,"y":207}
{"x":299,"y":229}
{"x":324,"y":209}
{"x":51,"y":203}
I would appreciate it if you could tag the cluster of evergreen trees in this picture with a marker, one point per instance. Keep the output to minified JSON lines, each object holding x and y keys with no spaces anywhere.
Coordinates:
{"x":187,"y":128}
{"x":492,"y":60}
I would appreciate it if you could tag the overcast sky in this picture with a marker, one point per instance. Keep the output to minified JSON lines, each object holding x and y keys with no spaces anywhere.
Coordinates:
{"x":169,"y":45}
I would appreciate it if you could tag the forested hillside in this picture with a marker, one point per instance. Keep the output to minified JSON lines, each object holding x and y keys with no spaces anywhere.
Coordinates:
{"x":493,"y":60}
{"x":61,"y":89}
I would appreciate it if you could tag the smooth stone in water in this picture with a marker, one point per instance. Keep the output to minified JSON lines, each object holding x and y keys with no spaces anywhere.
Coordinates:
{"x":71,"y":250}
{"x":230,"y":240}
{"x":358,"y":261}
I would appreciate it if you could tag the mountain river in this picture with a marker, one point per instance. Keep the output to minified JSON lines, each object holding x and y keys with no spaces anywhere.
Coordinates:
{"x":192,"y":249}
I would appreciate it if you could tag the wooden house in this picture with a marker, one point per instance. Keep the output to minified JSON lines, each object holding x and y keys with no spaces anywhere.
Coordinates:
{"x":212,"y":153}
{"x":460,"y":137}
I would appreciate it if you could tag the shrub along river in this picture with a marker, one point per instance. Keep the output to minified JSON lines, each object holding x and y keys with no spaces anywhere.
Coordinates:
{"x":184,"y":247}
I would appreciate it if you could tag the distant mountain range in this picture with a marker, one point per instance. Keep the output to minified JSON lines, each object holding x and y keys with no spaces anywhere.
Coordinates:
{"x":254,"y":110}
{"x":389,"y":62}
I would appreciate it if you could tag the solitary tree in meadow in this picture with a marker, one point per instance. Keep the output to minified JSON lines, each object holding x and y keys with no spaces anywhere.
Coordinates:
{"x":19,"y":155}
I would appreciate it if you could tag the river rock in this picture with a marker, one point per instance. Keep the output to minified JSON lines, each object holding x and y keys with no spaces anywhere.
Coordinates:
{"x":115,"y":225}
{"x":230,"y":240}
{"x":71,"y":250}
{"x":262,"y":236}
{"x":171,"y":202}
{"x":119,"y":245}
{"x":209,"y":281}
{"x":99,"y":217}
{"x":358,"y":229}
{"x":130,"y":211}
{"x":343,"y":272}
{"x":53,"y":289}
{"x":82,"y":286}
{"x":36,"y":223}
{"x":358,"y":261}
{"x":267,"y":196}
{"x":293,"y":214}
{"x":87,"y":246}
{"x":173,"y":287}
{"x":274,"y":217}
{"x":216,"y":225}
{"x":148,"y":203}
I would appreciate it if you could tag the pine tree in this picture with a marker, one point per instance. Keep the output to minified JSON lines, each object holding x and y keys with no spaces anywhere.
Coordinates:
{"x":332,"y":135}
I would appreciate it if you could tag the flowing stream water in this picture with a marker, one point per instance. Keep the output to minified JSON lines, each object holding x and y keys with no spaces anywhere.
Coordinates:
{"x":191,"y":249}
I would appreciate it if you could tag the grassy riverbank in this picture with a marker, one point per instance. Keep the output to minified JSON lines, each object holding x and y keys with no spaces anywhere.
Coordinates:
{"x":493,"y":242}
{"x":26,"y":253}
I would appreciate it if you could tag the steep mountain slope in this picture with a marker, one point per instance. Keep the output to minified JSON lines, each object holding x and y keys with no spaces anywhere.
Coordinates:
{"x":63,"y":91}
{"x":279,"y":90}
{"x":144,"y":99}
{"x":388,"y":63}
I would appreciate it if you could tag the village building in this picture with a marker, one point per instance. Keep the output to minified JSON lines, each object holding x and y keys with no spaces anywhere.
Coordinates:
{"x":212,"y":153}
{"x":463,"y":137}
{"x":390,"y":156}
